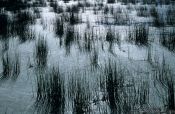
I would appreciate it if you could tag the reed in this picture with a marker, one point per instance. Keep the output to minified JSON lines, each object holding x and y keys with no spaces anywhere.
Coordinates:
{"x":139,"y":35}
{"x":59,"y":28}
{"x":50,"y":91}
{"x":41,"y":51}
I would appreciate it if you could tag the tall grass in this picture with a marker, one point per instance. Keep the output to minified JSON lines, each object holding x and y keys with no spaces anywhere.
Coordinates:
{"x":142,"y":11}
{"x":13,"y":5}
{"x":94,"y":58}
{"x":25,"y":17}
{"x":106,"y":9}
{"x":41,"y":51}
{"x":153,"y":11}
{"x":66,"y":1}
{"x":50,"y":91}
{"x":39,"y":3}
{"x":111,"y":1}
{"x":59,"y":28}
{"x":167,"y":39}
{"x":4,"y":24}
{"x":113,"y":37}
{"x":7,"y":66}
{"x":74,"y":18}
{"x":125,"y":2}
{"x":121,"y":18}
{"x":165,"y":77}
{"x":139,"y":35}
{"x":20,"y":25}
{"x":114,"y":85}
{"x":69,"y":38}
{"x":88,"y":41}
{"x":143,"y":92}
{"x":81,"y":100}
{"x":124,"y":95}
{"x":110,"y":37}
{"x":158,"y":19}
{"x":73,"y":9}
{"x":57,"y":9}
{"x":16,"y":66}
{"x":170,"y":16}
{"x":149,"y":2}
{"x":10,"y":66}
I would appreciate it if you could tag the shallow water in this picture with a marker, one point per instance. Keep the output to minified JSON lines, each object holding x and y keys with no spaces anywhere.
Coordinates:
{"x":107,"y":58}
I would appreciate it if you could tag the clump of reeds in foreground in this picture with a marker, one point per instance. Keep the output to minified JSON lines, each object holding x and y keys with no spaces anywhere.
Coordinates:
{"x":124,"y":95}
{"x":114,"y":85}
{"x":79,"y":92}
{"x":81,"y":99}
{"x":50,"y":92}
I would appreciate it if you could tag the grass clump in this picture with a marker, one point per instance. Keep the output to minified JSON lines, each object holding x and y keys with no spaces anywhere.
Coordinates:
{"x":165,"y":78}
{"x":69,"y":38}
{"x":170,"y":16}
{"x":4,"y":24}
{"x":41,"y":51}
{"x":139,"y":35}
{"x":50,"y":92}
{"x":74,"y":18}
{"x":7,"y":66}
{"x":81,"y":100}
{"x":59,"y":27}
{"x":110,"y":1}
{"x":114,"y":85}
{"x":167,"y":39}
{"x":10,"y":66}
{"x":142,"y":11}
